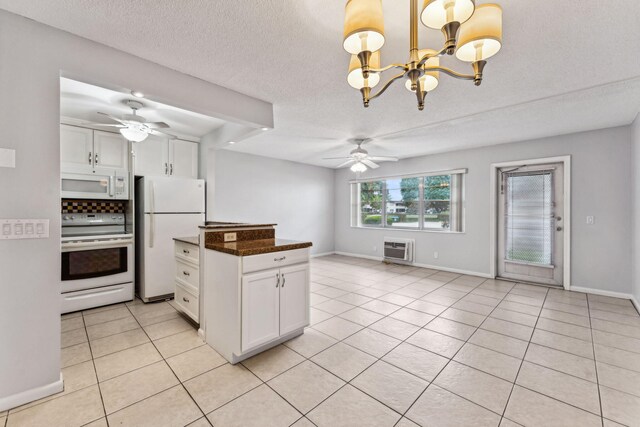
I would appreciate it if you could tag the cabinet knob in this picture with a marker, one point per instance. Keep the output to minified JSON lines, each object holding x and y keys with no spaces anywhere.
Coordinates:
{"x":186,"y":273}
{"x":185,"y":299}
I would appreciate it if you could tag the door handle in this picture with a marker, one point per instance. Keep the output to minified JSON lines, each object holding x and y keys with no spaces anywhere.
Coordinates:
{"x":277,"y":280}
{"x":284,"y":280}
{"x":280,"y":259}
{"x":166,"y":169}
{"x":171,"y":169}
{"x":185,"y":299}
{"x":90,"y":156}
{"x":95,"y":161}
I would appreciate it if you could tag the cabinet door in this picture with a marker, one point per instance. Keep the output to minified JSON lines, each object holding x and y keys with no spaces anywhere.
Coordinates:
{"x":183,"y":159}
{"x":260,"y":309}
{"x":111,"y":151}
{"x":76,"y":149}
{"x":294,"y":298}
{"x":151,"y":156}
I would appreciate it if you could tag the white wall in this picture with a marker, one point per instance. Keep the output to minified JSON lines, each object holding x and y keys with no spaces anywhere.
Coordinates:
{"x":635,"y":141}
{"x":601,"y":186}
{"x":298,"y":197}
{"x":32,"y":58}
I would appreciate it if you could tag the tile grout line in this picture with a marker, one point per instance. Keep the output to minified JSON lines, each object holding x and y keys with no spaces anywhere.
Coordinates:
{"x":595,"y":364}
{"x":95,"y":372}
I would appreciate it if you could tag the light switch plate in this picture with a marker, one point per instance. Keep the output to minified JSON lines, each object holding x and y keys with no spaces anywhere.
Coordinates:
{"x":7,"y":158}
{"x":230,"y":237}
{"x":13,"y":229}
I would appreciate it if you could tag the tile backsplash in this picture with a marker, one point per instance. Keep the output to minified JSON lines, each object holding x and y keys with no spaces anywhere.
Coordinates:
{"x":93,"y":206}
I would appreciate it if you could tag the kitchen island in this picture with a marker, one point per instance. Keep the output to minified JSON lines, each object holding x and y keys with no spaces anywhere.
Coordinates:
{"x":256,"y":289}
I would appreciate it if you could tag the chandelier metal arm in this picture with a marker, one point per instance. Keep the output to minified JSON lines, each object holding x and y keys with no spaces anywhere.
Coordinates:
{"x":426,"y":57}
{"x":404,"y":67}
{"x":386,"y":86}
{"x":452,"y":73}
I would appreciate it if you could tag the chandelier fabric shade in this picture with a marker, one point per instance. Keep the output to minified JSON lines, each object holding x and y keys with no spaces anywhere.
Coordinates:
{"x":363,"y":26}
{"x":355,"y":76}
{"x":481,"y":36}
{"x":437,"y":13}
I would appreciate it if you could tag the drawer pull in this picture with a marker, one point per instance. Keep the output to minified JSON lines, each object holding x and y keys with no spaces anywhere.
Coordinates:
{"x":278,"y":281}
{"x":186,"y":273}
{"x":284,"y":280}
{"x":280,"y":259}
{"x":185,"y":299}
{"x":185,"y":251}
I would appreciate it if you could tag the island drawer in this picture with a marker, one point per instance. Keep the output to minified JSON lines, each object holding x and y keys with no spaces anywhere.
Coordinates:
{"x":271,"y":260}
{"x":188,"y":274}
{"x":188,"y":302}
{"x":187,"y":251}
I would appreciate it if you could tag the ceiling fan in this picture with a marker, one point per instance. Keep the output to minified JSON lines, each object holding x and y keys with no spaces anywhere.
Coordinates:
{"x":134,"y":127}
{"x":360,"y":159}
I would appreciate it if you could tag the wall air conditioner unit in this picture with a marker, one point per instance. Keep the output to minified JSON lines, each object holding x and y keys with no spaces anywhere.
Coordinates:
{"x":398,"y":250}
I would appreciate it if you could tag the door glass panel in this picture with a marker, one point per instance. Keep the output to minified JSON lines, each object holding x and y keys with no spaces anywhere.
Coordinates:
{"x":100,"y":186}
{"x":529,"y":217}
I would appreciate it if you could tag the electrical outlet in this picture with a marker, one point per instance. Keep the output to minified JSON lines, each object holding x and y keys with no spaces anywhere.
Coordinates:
{"x":230,"y":237}
{"x":436,"y":255}
{"x":591,"y":220}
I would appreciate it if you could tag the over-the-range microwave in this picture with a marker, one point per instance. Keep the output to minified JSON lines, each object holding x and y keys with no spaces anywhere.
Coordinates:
{"x":94,"y":186}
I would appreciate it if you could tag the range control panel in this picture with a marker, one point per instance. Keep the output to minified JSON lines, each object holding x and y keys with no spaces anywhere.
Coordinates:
{"x":83,"y":219}
{"x":11,"y":229}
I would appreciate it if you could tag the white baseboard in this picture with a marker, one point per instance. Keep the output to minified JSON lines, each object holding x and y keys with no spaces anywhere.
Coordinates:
{"x":416,"y":264}
{"x":27,"y":396}
{"x":322,"y":254}
{"x":602,"y":292}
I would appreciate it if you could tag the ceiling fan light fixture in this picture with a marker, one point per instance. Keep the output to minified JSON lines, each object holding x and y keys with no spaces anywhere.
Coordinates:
{"x":358,"y":167}
{"x":137,"y":94}
{"x":134,"y":134}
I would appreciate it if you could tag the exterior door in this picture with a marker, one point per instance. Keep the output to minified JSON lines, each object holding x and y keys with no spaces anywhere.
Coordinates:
{"x":184,"y":158}
{"x":111,"y":151}
{"x":260,"y":309}
{"x":76,"y":149}
{"x":530,"y":223}
{"x":294,"y":305}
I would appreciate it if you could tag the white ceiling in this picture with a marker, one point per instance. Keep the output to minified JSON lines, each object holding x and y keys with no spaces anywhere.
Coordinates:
{"x":566,"y":66}
{"x":83,"y":101}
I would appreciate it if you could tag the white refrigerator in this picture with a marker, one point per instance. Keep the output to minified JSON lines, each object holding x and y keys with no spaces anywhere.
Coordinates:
{"x":165,"y":208}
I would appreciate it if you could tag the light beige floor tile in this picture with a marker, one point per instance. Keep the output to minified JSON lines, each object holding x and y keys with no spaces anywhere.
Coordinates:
{"x":628,"y":310}
{"x":405,"y":422}
{"x":524,"y":298}
{"x":390,"y":385}
{"x":505,"y":422}
{"x":483,"y":389}
{"x":619,"y":379}
{"x":221,"y":385}
{"x":617,"y":341}
{"x":306,"y":385}
{"x":172,"y":407}
{"x":567,"y":308}
{"x":111,"y":328}
{"x":334,"y":306}
{"x":102,"y":422}
{"x":132,"y":387}
{"x":436,"y":342}
{"x":75,"y":354}
{"x":438,"y":407}
{"x":103,"y":308}
{"x":610,"y":300}
{"x":616,"y":317}
{"x":371,"y":293}
{"x":350,"y":407}
{"x":74,"y":409}
{"x":71,"y":324}
{"x":621,"y":407}
{"x":178,"y":343}
{"x":149,"y":319}
{"x":337,"y":328}
{"x":315,"y":299}
{"x":484,"y":296}
{"x":419,"y":362}
{"x":566,"y":388}
{"x":310,"y":343}
{"x":331,"y":292}
{"x":616,"y":328}
{"x":529,"y":408}
{"x":414,"y":317}
{"x":124,"y":361}
{"x":303,"y":422}
{"x":170,"y":327}
{"x":344,"y":361}
{"x":500,"y":343}
{"x":489,"y":361}
{"x":74,"y":337}
{"x":201,"y":422}
{"x":397,"y":299}
{"x":118,"y":342}
{"x":609,"y":423}
{"x":427,"y":307}
{"x":260,"y":407}
{"x":563,"y":343}
{"x":107,"y":316}
{"x":621,"y":358}
{"x":462,"y":316}
{"x":361,"y":316}
{"x":381,"y":307}
{"x":438,"y":300}
{"x":372,"y":342}
{"x":354,"y":299}
{"x":531,"y":310}
{"x":514,"y":316}
{"x":561,"y":316}
{"x":317,"y":316}
{"x":195,"y":362}
{"x":394,"y":328}
{"x":473,"y":307}
{"x":71,"y":315}
{"x":562,"y":328}
{"x":272,"y":362}
{"x":451,"y":328}
{"x":562,"y":361}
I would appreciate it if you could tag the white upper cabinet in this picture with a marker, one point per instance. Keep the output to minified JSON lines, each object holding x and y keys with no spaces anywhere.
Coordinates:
{"x":168,"y":157}
{"x":85,"y":150}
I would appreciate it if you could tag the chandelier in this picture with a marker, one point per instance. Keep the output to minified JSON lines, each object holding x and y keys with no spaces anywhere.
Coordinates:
{"x":473,"y":33}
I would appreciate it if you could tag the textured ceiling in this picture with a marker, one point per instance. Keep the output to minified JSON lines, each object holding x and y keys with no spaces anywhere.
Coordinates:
{"x":566,"y":66}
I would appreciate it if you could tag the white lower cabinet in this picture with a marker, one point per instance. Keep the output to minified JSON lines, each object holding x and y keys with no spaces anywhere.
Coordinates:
{"x":274,"y":303}
{"x":187,"y":279}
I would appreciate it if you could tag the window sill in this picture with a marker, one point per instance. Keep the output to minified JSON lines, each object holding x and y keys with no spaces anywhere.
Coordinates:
{"x":407,"y":229}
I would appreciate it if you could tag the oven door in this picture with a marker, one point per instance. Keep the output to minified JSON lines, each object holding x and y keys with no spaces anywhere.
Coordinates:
{"x":87,"y":265}
{"x":78,"y":186}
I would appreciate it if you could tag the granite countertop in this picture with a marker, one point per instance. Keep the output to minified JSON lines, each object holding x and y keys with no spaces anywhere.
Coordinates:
{"x":192,"y":240}
{"x":214,"y":225}
{"x":256,"y":247}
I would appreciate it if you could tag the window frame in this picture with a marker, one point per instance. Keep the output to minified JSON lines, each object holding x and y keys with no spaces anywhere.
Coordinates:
{"x":456,"y":201}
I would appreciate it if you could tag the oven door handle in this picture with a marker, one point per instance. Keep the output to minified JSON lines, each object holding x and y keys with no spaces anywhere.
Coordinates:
{"x":97,"y":245}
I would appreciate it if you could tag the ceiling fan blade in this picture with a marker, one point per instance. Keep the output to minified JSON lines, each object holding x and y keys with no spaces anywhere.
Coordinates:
{"x":369,"y":163}
{"x":161,"y":133}
{"x":347,"y":163}
{"x":157,"y":125}
{"x":383,"y":159}
{"x":336,"y":158}
{"x":102,"y":124}
{"x":112,"y":117}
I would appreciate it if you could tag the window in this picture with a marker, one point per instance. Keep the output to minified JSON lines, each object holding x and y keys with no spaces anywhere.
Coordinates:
{"x":430,"y":202}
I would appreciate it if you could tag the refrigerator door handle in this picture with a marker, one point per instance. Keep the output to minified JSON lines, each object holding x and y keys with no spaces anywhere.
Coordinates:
{"x":152,"y":216}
